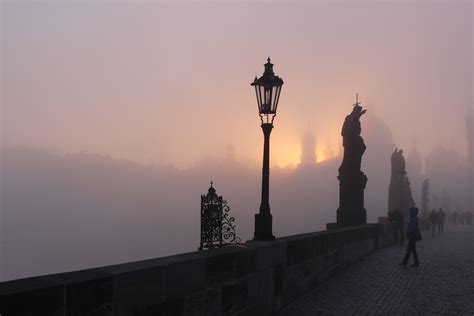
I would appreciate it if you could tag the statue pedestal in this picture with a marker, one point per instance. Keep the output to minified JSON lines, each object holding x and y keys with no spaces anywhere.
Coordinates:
{"x":351,"y":210}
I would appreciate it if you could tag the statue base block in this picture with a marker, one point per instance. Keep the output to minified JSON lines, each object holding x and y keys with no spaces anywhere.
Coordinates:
{"x":351,"y":217}
{"x":330,"y":226}
{"x":351,"y":211}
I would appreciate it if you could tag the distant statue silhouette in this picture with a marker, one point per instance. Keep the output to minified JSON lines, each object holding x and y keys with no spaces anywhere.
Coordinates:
{"x":398,"y":160}
{"x":354,"y":146}
{"x":400,"y":195}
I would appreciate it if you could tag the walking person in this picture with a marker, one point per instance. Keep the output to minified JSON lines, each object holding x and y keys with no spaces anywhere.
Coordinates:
{"x":414,"y":235}
{"x":433,"y":221}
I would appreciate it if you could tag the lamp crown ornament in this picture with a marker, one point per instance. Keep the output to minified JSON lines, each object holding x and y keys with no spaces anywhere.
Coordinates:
{"x":269,"y":67}
{"x":267,"y":90}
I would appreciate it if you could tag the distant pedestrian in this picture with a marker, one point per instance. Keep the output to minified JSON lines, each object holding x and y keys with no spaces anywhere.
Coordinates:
{"x":455,"y":218}
{"x":461,"y":218}
{"x":440,"y":220}
{"x":469,"y":217}
{"x":396,"y":218}
{"x":414,"y":235}
{"x":433,"y":221}
{"x":449,"y":217}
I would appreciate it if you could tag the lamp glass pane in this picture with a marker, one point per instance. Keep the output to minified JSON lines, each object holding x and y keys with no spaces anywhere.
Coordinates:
{"x":266,"y":106}
{"x":277,"y":97}
{"x":259,"y":97}
{"x":262,"y":98}
{"x":274,"y":94}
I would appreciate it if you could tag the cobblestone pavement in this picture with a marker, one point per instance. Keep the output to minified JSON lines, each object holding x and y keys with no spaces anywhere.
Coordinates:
{"x":442,"y":285}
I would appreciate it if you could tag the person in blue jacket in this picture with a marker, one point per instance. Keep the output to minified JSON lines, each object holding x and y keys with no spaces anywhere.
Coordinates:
{"x":413,"y":234}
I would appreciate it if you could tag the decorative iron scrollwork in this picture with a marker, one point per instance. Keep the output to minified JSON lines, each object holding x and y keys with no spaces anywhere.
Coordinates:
{"x":217,"y":228}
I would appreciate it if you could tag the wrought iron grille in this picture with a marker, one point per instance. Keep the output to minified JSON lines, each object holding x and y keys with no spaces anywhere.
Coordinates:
{"x":217,"y":228}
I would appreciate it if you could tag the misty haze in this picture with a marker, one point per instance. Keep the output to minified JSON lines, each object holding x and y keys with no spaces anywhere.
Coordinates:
{"x":116,"y":117}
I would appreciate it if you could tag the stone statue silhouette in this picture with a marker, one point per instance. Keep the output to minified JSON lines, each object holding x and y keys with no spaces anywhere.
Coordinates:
{"x":400,"y":195}
{"x":354,"y":146}
{"x":398,"y":161}
{"x":352,"y":181}
{"x":398,"y":175}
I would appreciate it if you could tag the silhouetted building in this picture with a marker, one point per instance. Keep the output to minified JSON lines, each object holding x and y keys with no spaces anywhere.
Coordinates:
{"x":308,"y":149}
{"x":447,"y":169}
{"x":446,"y":201}
{"x":329,"y":152}
{"x":414,"y":166}
{"x":425,"y":199}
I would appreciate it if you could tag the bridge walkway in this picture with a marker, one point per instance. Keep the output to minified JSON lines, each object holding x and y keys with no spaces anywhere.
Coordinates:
{"x":442,"y":285}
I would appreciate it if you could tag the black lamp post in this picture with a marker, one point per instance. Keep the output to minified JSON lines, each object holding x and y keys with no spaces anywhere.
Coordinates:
{"x":267,"y":89}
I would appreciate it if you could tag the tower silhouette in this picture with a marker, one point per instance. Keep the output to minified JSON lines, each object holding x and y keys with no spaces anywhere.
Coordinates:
{"x":414,"y":169}
{"x":470,"y":158}
{"x":308,"y":149}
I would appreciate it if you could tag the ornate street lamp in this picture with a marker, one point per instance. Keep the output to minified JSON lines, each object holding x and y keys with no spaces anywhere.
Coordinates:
{"x":267,"y":89}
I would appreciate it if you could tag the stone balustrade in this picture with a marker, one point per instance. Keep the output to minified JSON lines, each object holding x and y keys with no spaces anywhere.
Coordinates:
{"x":257,"y":278}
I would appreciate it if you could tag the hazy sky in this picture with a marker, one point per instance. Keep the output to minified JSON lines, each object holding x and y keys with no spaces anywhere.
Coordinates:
{"x":168,"y":82}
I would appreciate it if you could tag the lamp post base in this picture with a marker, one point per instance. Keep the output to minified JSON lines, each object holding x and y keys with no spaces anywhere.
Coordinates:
{"x":263,"y":227}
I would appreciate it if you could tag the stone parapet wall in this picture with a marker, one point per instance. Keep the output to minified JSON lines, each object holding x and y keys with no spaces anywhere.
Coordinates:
{"x":257,"y":278}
